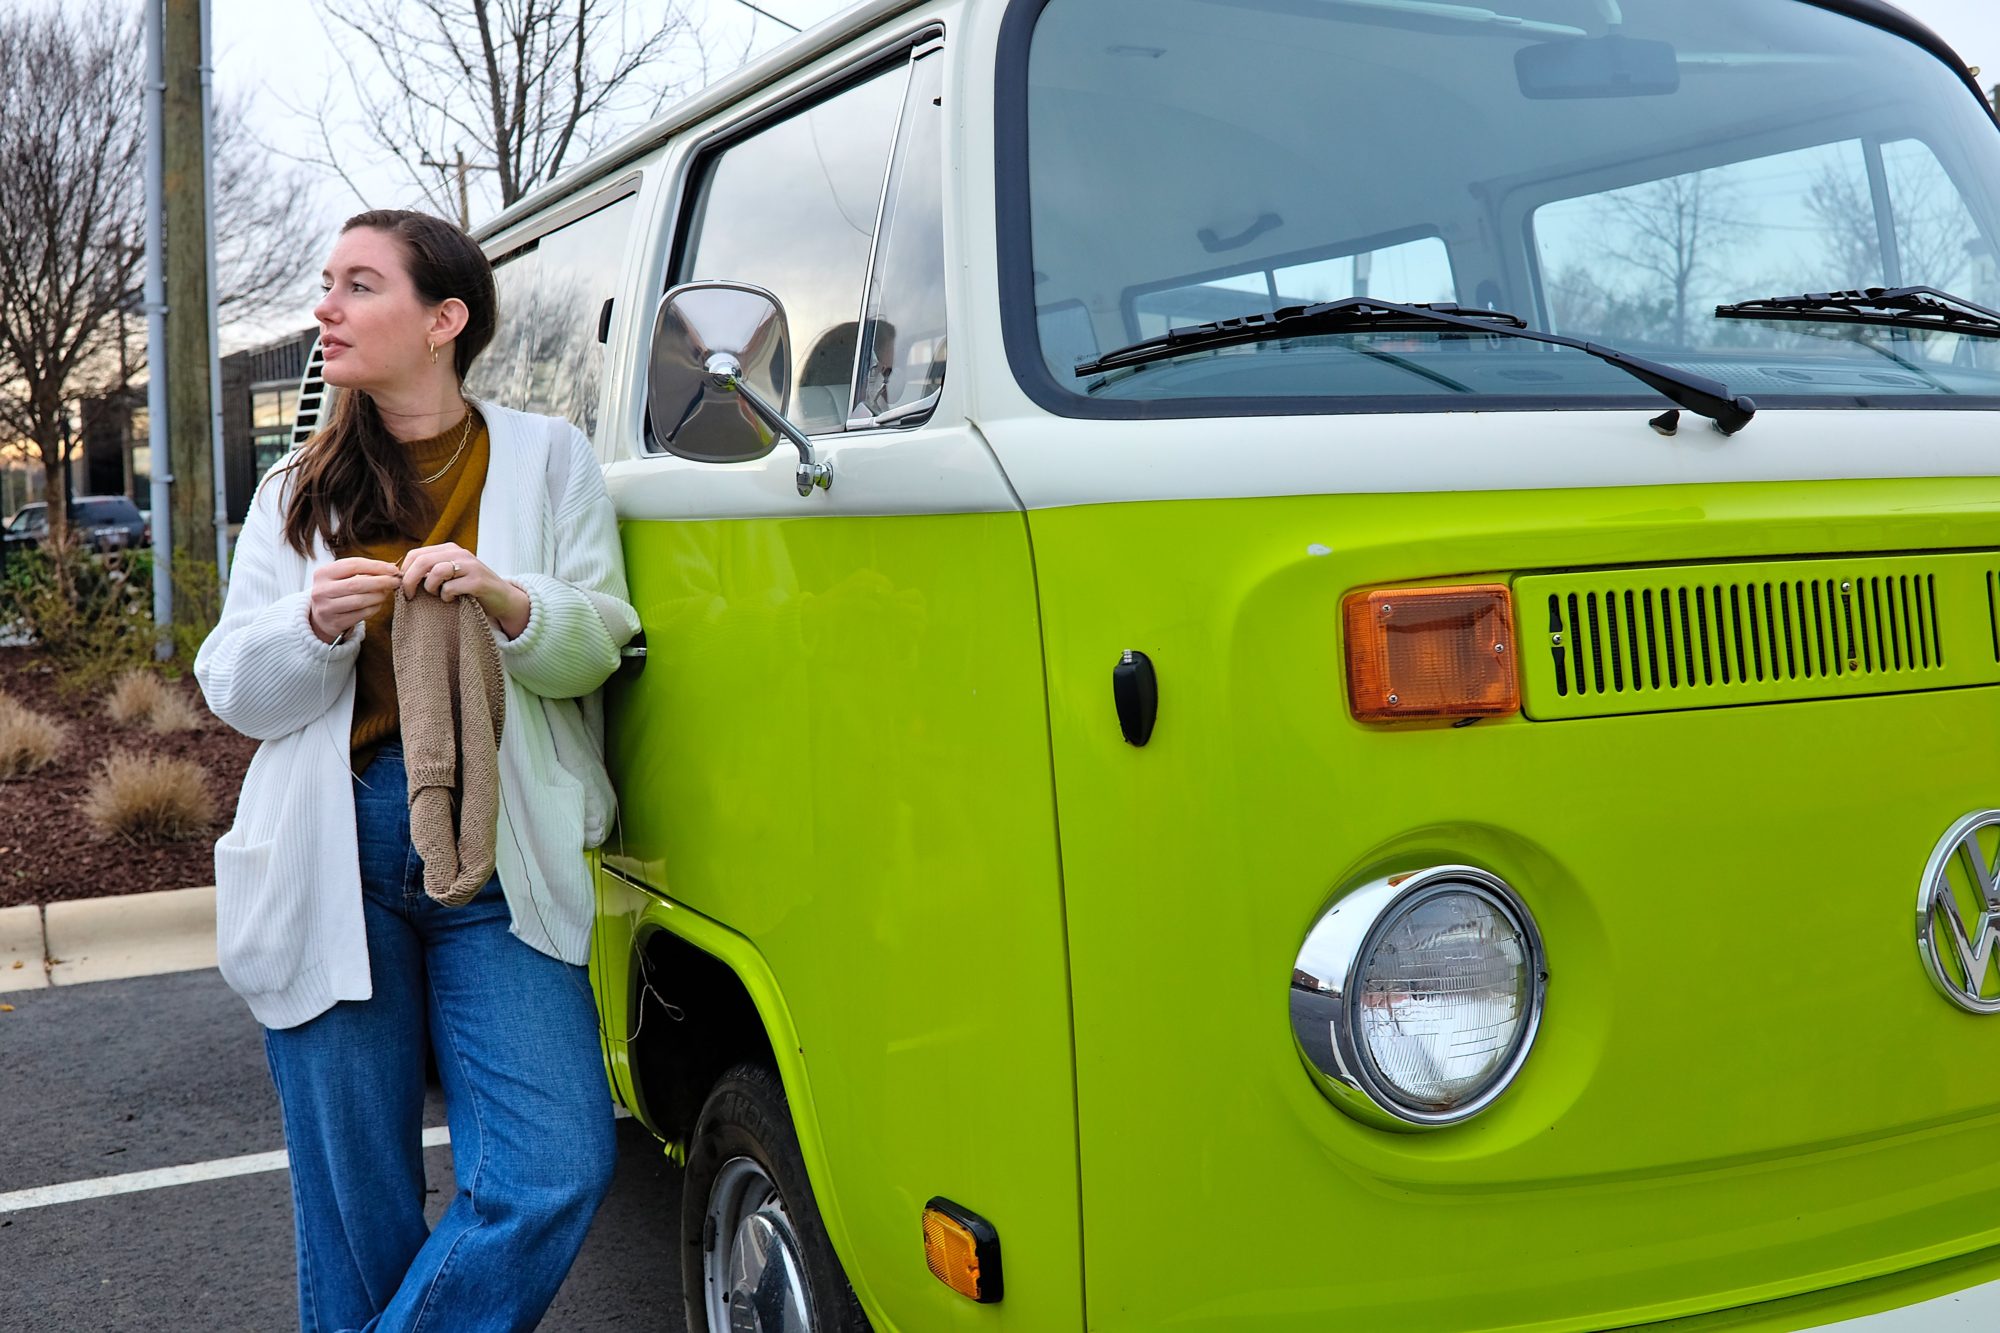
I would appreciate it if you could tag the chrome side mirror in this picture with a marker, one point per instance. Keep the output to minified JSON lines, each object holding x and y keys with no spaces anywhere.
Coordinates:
{"x":720,"y":378}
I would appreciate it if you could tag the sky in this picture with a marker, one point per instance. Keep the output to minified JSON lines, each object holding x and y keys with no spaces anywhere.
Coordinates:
{"x":282,"y":56}
{"x":1971,"y":26}
{"x":277,"y":58}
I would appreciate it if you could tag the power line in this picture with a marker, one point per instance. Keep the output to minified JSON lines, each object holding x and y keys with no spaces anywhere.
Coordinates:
{"x":767,"y":14}
{"x":461,"y":166}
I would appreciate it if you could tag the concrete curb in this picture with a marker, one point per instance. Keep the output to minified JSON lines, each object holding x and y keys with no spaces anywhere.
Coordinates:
{"x":101,"y":939}
{"x":24,"y":958}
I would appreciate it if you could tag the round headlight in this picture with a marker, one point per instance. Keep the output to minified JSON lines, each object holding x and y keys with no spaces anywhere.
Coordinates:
{"x":1415,"y":998}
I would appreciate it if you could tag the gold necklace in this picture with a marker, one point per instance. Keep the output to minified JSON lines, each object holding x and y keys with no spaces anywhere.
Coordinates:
{"x":464,"y":437}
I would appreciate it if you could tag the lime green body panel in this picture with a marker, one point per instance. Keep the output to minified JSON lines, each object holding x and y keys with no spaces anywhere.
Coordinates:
{"x":1745,"y":1086}
{"x":841,"y":773}
{"x":834,"y":771}
{"x":1816,"y":1309}
{"x":616,"y":976}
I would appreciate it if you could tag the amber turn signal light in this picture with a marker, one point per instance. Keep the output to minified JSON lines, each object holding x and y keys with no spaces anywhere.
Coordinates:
{"x":1428,"y":653}
{"x":963,"y":1250}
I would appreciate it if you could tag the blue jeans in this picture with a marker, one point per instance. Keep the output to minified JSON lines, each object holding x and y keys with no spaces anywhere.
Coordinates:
{"x":515,"y":1033}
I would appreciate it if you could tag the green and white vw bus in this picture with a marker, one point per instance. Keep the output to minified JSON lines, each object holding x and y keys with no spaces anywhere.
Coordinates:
{"x":1309,"y":664}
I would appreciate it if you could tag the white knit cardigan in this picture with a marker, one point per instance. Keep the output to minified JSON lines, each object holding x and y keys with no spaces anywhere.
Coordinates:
{"x":288,"y":920}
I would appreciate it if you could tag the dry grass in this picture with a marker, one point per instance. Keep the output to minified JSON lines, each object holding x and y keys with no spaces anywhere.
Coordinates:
{"x":173,"y":713}
{"x":142,"y":698}
{"x":29,"y":741}
{"x":135,"y":696}
{"x":149,"y":798}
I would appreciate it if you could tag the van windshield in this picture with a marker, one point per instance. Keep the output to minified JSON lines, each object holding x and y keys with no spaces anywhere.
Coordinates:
{"x":1606,"y":169}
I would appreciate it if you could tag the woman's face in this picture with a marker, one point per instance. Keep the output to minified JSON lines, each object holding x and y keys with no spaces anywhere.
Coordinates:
{"x":374,"y":327}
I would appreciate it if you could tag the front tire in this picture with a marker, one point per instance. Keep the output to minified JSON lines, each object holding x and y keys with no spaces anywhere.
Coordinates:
{"x":755,"y":1257}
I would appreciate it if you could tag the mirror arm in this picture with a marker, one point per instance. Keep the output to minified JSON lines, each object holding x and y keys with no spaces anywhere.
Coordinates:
{"x":727,"y":373}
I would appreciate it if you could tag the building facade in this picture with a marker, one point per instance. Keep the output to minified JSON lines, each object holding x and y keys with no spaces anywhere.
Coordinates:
{"x":260,"y":396}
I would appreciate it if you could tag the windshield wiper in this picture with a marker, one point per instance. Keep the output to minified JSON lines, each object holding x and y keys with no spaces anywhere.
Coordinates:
{"x":1890,"y":307}
{"x":1356,"y":314}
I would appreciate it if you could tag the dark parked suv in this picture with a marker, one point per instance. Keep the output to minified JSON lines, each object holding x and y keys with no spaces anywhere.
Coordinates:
{"x":100,"y":522}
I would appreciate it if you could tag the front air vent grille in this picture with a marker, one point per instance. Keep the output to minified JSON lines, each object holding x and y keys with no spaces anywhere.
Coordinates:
{"x":1633,"y":640}
{"x":1710,"y":636}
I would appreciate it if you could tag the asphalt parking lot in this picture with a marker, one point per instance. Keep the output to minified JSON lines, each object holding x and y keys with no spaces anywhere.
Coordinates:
{"x":164,"y":1075}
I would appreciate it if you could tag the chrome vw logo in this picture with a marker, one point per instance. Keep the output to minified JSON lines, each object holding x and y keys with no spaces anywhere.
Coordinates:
{"x":1959,"y":945}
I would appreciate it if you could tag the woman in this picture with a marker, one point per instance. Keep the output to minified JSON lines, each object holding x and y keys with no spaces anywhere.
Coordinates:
{"x":321,"y":919}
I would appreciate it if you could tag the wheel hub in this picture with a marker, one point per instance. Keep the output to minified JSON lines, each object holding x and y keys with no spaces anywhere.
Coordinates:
{"x":753,"y":1272}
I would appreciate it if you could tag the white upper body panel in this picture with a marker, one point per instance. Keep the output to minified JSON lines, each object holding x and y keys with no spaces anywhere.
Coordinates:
{"x":1052,"y":461}
{"x":989,"y":447}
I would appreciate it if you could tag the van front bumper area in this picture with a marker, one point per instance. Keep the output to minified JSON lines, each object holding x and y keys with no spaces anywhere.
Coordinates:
{"x":1960,"y":1295}
{"x":1975,"y":1308}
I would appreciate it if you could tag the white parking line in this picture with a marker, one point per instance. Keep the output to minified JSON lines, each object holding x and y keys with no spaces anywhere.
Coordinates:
{"x":133,"y":1182}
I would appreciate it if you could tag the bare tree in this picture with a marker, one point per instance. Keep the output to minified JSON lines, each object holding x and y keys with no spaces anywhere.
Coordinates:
{"x":1671,"y":230}
{"x":1581,"y":304}
{"x":1931,"y":226}
{"x":268,"y":223}
{"x":521,"y":88}
{"x":71,"y":245}
{"x":70,"y":251}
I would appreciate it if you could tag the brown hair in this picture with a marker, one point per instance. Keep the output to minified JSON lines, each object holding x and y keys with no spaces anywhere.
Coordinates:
{"x":353,"y":481}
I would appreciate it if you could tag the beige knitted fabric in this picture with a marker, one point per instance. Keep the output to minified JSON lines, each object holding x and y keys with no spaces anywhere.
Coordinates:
{"x":452,"y":698}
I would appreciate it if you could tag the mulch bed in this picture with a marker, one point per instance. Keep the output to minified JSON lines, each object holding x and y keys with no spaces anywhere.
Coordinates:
{"x":48,"y":851}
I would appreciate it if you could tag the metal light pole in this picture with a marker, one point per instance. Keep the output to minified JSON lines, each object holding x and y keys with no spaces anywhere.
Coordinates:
{"x":218,"y":463}
{"x":160,"y":467}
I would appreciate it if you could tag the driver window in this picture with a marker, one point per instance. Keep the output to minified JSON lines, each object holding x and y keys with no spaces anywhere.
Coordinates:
{"x":792,"y":208}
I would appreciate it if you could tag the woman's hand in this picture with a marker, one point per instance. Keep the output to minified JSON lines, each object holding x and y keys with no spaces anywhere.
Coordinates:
{"x":451,"y":571}
{"x":347,"y":592}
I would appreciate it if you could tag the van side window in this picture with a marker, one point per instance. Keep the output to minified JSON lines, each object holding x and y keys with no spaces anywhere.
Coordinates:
{"x":792,"y":208}
{"x":545,"y":356}
{"x":903,"y":329}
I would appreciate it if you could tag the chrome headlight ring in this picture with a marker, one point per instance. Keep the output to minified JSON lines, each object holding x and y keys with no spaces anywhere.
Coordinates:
{"x":1343,"y":1009}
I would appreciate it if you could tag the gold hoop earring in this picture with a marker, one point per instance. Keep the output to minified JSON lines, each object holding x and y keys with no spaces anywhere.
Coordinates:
{"x":434,"y":353}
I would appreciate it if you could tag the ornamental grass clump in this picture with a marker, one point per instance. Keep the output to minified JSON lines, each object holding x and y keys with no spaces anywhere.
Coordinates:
{"x":142,"y":698}
{"x":173,"y":713}
{"x":29,"y":741}
{"x":134,"y":697}
{"x":149,"y":798}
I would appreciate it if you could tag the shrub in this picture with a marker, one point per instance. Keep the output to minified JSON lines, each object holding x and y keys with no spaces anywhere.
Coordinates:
{"x":134,"y":697}
{"x":197,"y":603}
{"x":29,"y":741}
{"x":142,"y":698}
{"x":149,"y":798}
{"x":173,"y":713}
{"x":92,"y":613}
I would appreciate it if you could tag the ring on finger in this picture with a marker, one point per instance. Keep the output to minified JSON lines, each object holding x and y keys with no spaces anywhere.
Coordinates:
{"x":454,"y":569}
